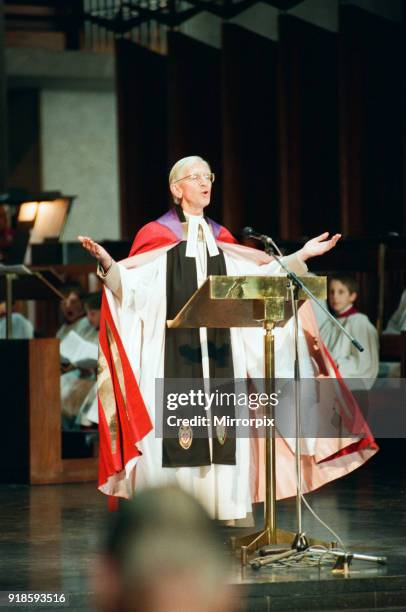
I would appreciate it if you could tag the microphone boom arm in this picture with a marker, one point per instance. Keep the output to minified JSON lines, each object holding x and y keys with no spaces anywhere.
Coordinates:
{"x":271,"y":247}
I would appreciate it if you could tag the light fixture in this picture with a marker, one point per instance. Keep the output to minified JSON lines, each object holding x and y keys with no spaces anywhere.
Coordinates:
{"x":27,"y":212}
{"x":46,"y":216}
{"x":36,"y":218}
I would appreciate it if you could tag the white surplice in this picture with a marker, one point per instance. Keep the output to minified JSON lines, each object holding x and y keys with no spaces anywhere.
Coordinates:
{"x":136,"y":294}
{"x":350,"y":361}
{"x":140,"y":316}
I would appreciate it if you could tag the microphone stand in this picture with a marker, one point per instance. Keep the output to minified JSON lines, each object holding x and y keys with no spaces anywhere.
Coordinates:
{"x":342,"y":564}
{"x":300,"y":542}
{"x":272,"y":249}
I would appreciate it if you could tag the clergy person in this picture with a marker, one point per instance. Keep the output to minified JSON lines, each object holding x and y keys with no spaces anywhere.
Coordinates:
{"x":169,"y":260}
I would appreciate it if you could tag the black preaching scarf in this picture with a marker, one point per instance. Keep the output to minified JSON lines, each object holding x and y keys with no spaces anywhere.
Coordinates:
{"x":183,"y":359}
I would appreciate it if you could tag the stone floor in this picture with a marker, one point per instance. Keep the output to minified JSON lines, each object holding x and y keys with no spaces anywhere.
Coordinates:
{"x":49,"y":536}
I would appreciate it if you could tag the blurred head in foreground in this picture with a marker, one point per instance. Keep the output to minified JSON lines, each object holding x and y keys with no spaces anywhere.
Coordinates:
{"x":162,"y":554}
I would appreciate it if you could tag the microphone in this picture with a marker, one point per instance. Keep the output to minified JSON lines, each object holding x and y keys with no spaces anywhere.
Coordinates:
{"x":251,"y":233}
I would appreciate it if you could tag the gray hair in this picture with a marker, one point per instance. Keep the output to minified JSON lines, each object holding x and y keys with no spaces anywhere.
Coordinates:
{"x":164,"y":529}
{"x":176,"y":169}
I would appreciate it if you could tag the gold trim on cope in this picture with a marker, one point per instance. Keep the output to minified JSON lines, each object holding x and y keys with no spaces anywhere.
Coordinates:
{"x":107,"y":399}
{"x":117,"y":364}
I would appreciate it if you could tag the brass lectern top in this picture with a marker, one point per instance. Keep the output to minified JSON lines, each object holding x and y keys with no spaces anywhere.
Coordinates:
{"x":243,"y":301}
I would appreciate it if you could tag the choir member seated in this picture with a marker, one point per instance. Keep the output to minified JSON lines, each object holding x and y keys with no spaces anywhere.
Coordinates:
{"x":342,"y":294}
{"x":22,"y":327}
{"x":79,"y":352}
{"x":73,"y":312}
{"x":88,"y":415}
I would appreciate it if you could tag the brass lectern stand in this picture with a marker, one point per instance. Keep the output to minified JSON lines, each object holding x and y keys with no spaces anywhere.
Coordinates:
{"x":251,"y":301}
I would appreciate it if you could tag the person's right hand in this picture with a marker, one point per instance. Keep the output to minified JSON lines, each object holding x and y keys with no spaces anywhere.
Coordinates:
{"x":97,"y":251}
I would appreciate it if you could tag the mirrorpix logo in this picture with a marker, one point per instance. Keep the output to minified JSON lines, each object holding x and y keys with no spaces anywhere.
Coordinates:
{"x":215,"y":402}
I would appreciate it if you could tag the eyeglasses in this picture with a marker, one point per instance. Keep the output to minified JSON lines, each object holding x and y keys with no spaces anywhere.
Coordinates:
{"x":206,"y":176}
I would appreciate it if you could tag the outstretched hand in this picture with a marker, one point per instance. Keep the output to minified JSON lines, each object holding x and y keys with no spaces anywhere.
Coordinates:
{"x":319,"y":245}
{"x":97,"y":251}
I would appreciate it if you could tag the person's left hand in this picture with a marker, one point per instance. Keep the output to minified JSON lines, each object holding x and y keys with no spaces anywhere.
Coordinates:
{"x":318,"y":246}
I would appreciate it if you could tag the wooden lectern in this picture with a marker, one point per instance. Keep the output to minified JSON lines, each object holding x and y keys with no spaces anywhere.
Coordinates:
{"x":251,"y":301}
{"x":18,"y":282}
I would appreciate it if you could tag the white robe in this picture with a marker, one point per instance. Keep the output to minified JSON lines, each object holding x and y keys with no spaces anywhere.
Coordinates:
{"x":77,"y":383}
{"x":136,"y":294}
{"x":138,"y":305}
{"x":22,"y":327}
{"x":81,"y":326}
{"x":352,"y":363}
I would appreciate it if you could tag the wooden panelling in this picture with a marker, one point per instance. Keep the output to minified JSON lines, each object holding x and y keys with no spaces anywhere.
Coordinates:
{"x":142,"y":131}
{"x":3,"y":108}
{"x":79,"y":470}
{"x":55,"y":41}
{"x":393,"y":348}
{"x":31,"y":446}
{"x":372,"y":108}
{"x":308,"y":113}
{"x":44,"y":410}
{"x":250,"y":149}
{"x":194,"y":106}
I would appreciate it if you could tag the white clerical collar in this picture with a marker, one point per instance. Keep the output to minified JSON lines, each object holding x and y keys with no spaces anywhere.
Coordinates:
{"x":188,"y":216}
{"x":194,"y":222}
